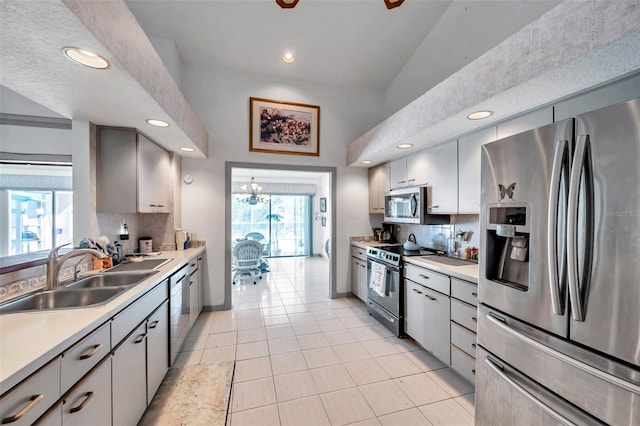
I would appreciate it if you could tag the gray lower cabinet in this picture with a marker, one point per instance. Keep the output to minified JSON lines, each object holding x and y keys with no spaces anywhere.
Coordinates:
{"x":427,"y":316}
{"x":89,"y":401}
{"x":30,"y":399}
{"x":129,"y":378}
{"x":157,"y":349}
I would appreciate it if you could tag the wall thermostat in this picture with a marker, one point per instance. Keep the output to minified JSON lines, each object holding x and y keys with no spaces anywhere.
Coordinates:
{"x":188,"y":179}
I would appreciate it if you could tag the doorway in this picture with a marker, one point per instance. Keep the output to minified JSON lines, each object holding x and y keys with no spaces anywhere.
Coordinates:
{"x":281,"y":203}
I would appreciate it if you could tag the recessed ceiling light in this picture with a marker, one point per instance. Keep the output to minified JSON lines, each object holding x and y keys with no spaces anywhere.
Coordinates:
{"x":86,"y":58}
{"x":186,"y":149}
{"x":367,"y":162}
{"x":479,"y":115}
{"x":405,"y":145}
{"x":157,"y":123}
{"x":288,"y":57}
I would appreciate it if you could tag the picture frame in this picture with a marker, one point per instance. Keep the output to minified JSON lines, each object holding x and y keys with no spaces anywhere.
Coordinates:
{"x":323,"y":205}
{"x":281,"y":127}
{"x":324,"y":221}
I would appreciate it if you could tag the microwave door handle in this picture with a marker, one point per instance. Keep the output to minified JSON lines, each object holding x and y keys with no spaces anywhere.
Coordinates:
{"x":414,"y":205}
{"x":557,"y":302}
{"x":577,"y":290}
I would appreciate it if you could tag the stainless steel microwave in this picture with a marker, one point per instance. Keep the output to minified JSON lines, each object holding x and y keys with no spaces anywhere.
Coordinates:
{"x":409,"y":205}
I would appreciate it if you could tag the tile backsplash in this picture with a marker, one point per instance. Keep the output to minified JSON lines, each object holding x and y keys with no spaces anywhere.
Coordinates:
{"x":436,"y":236}
{"x":25,"y":281}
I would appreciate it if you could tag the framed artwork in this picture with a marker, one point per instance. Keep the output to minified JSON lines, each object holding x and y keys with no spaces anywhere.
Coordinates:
{"x":323,"y":205}
{"x":324,"y":221}
{"x":281,"y":127}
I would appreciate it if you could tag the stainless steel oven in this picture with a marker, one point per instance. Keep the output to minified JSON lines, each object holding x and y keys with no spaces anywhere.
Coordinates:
{"x":385,"y":301}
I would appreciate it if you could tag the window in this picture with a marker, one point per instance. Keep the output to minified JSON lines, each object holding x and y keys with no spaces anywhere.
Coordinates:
{"x":284,"y":221}
{"x":37,"y":206}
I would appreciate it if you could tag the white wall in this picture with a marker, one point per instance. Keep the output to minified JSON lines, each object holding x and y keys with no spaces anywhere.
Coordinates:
{"x":320,"y":233}
{"x":221,"y":100}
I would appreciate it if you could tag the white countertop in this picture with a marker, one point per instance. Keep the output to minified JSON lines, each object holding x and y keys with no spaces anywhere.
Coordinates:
{"x":372,"y":243}
{"x":466,"y":272}
{"x":28,"y":340}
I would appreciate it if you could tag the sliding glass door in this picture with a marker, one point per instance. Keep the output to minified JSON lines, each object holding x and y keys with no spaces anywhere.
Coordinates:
{"x":282,"y":224}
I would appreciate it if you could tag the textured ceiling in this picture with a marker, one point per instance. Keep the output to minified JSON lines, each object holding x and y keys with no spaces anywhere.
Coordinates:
{"x":32,"y":35}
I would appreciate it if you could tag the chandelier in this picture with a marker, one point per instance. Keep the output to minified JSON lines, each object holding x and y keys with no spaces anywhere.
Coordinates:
{"x":252,"y":194}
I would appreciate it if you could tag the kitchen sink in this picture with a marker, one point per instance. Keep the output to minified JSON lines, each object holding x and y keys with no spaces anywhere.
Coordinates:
{"x":111,"y":279}
{"x":62,"y":299}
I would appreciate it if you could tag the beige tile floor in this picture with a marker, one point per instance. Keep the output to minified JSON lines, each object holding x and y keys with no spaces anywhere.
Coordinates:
{"x":304,"y":359}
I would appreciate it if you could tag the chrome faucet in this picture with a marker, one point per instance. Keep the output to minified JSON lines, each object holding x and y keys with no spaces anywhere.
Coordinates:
{"x":55,"y":261}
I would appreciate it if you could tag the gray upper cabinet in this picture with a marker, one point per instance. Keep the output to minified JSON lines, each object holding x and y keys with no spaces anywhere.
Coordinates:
{"x":469,"y":148}
{"x":440,"y":164}
{"x":615,"y":93}
{"x":418,"y":168}
{"x":133,"y":173}
{"x":398,"y":173}
{"x":525,"y":122}
{"x":378,"y":185}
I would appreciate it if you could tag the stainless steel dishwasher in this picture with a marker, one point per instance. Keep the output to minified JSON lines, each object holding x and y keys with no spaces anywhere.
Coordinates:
{"x":179,"y":310}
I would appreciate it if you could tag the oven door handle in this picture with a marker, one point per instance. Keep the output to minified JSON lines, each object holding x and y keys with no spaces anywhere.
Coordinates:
{"x":386,"y":265}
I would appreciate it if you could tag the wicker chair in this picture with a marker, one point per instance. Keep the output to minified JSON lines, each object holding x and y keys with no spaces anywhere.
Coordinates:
{"x":246,"y":260}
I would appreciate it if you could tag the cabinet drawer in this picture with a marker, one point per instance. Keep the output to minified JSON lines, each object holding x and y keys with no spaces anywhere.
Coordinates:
{"x":463,"y":339}
{"x":135,"y":313}
{"x":33,"y":397}
{"x":359,"y":253}
{"x":427,"y":278}
{"x":89,"y":402}
{"x":193,"y":264}
{"x":84,"y":355}
{"x":463,"y":364}
{"x":465,"y":291}
{"x":464,"y":315}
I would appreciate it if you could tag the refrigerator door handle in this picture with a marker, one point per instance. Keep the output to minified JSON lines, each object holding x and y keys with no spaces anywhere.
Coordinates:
{"x":499,"y":370}
{"x":602,"y":375}
{"x":555,"y":285}
{"x":577,"y":290}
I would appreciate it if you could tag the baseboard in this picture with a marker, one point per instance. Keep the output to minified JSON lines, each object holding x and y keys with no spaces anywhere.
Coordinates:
{"x":345,"y":294}
{"x":210,"y":308}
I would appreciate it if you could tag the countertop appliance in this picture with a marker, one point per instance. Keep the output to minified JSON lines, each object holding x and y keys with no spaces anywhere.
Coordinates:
{"x":558,"y":323}
{"x":385,"y":293}
{"x":410,"y":205}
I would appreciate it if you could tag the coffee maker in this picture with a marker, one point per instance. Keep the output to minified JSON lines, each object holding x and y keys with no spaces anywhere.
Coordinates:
{"x":387,"y":233}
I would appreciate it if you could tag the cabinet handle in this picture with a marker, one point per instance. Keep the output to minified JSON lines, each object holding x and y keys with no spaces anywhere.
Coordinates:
{"x":86,"y":399}
{"x":411,"y":180}
{"x":433,"y":207}
{"x":402,"y":181}
{"x":364,"y":266}
{"x":474,"y":294}
{"x":430,"y":297}
{"x":154,"y":324}
{"x":474,"y":319}
{"x":473,"y":345}
{"x":152,"y":205}
{"x":200,"y":258}
{"x":473,"y":371}
{"x":33,"y":401}
{"x":91,"y":352}
{"x":419,"y":292}
{"x":425,"y":277}
{"x":192,"y":264}
{"x":140,"y":338}
{"x":159,"y":205}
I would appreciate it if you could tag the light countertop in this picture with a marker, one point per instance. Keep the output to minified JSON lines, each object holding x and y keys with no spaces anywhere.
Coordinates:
{"x":466,"y":272}
{"x":28,"y":340}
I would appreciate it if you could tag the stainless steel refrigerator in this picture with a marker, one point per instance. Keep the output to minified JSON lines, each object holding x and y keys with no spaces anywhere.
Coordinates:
{"x":559,"y":277}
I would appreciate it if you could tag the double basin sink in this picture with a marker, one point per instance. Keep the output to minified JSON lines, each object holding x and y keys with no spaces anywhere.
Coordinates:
{"x":93,"y":290}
